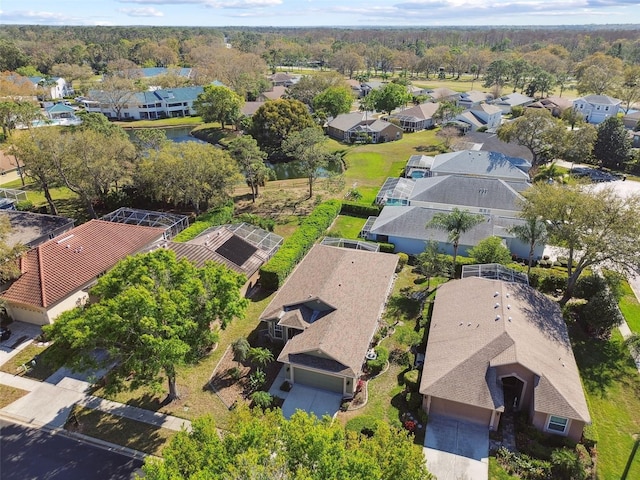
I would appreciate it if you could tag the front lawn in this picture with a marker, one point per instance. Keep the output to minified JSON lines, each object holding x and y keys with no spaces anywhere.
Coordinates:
{"x":163,"y":122}
{"x":32,"y":362}
{"x":119,"y":430}
{"x":612,"y":385}
{"x":630,"y":307}
{"x":8,"y":395}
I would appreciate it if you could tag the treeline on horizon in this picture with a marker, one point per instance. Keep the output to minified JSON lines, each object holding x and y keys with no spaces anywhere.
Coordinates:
{"x":45,"y":46}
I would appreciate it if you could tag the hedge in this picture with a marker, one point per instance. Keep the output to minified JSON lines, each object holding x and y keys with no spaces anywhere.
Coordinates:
{"x":387,"y":247}
{"x":376,"y":366}
{"x":213,"y":217}
{"x":410,"y":379}
{"x":360,"y":210}
{"x":275,"y":271}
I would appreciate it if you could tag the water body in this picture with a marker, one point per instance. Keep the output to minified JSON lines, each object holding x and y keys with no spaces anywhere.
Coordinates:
{"x":175,"y":134}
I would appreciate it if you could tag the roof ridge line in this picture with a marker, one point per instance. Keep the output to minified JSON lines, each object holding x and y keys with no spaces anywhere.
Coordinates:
{"x":43,"y":294}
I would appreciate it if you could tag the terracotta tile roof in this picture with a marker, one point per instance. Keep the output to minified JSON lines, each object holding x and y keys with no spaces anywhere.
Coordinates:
{"x":351,"y":287}
{"x":479,"y":325}
{"x":63,"y":265}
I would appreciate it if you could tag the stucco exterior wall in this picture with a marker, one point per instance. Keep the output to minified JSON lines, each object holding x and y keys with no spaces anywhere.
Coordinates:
{"x":523,"y":374}
{"x":27,"y":314}
{"x":449,"y":408}
{"x":574,"y":431}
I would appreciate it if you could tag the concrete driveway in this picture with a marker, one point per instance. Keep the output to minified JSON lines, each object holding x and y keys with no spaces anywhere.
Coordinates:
{"x":311,"y":400}
{"x":22,"y":335}
{"x":457,"y":450}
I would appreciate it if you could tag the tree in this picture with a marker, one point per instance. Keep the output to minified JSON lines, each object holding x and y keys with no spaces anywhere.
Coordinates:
{"x":240,"y":348}
{"x":274,"y":121}
{"x":536,"y":130}
{"x":629,"y":89}
{"x":263,"y":445}
{"x":117,"y":92}
{"x":389,"y":97}
{"x":572,"y":117}
{"x":218,"y":104}
{"x":491,"y":250}
{"x":455,"y":223}
{"x":334,"y":101}
{"x":578,"y":145}
{"x":533,"y":232}
{"x":447,"y":110}
{"x":497,"y":74}
{"x":39,"y":151}
{"x":612,"y":147}
{"x":13,"y":114}
{"x":307,"y":148}
{"x":188,"y":173}
{"x":154,"y":314}
{"x":310,"y":86}
{"x":598,"y":73}
{"x":432,"y":262}
{"x":250,"y":158}
{"x":11,"y":56}
{"x":596,"y":226}
{"x":9,"y":254}
{"x":146,"y":139}
{"x":448,"y":134}
{"x":601,"y":313}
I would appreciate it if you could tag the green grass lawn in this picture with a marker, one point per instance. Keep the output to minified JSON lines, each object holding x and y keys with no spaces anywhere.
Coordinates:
{"x":119,"y":430}
{"x":163,"y":122}
{"x":21,"y":363}
{"x":630,"y":307}
{"x":496,"y":472}
{"x":346,"y":226}
{"x":612,"y":385}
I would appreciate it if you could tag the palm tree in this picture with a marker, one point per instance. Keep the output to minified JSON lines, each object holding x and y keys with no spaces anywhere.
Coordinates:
{"x":533,"y":232}
{"x":455,"y":224}
{"x":240,"y":349}
{"x":260,"y":356}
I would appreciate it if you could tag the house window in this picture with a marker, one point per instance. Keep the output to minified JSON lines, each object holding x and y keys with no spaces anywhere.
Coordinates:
{"x":277,"y":331}
{"x":557,"y":424}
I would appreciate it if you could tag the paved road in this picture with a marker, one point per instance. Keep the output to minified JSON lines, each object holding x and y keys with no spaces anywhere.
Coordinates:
{"x":27,"y":453}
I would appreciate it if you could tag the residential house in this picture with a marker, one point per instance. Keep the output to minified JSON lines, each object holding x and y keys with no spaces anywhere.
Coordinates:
{"x":61,"y":114}
{"x":249,"y":108}
{"x":496,"y":347}
{"x":281,"y":79}
{"x":327,"y":313}
{"x":507,"y":102}
{"x":151,"y":72}
{"x":418,"y":166}
{"x":242,"y":247}
{"x":415,"y":91}
{"x":597,"y":108}
{"x":555,"y":105}
{"x":362,"y":127}
{"x":414,"y":119}
{"x":632,"y":120}
{"x":473,"y":98}
{"x":489,"y":142}
{"x":149,"y":105}
{"x":481,"y":163}
{"x":404,"y":227}
{"x":367,"y":87}
{"x":356,"y":87}
{"x":485,"y":116}
{"x":442,"y":94}
{"x":56,"y":275}
{"x":32,"y":229}
{"x":276,"y":93}
{"x":51,"y":88}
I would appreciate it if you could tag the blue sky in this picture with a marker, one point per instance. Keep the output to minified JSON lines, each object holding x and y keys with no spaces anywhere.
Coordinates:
{"x":319,"y":12}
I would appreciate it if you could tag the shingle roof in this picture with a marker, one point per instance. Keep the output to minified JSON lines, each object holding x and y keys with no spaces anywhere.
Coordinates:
{"x":410,"y":222}
{"x":275,"y":93}
{"x":353,"y":282}
{"x":514,"y":99}
{"x":59,"y":267}
{"x":486,"y":108}
{"x":601,"y":100}
{"x":489,"y":142}
{"x":467,"y":342}
{"x":475,"y":96}
{"x":467,"y":191}
{"x":347,"y":121}
{"x":423,"y":111}
{"x":482,"y":163}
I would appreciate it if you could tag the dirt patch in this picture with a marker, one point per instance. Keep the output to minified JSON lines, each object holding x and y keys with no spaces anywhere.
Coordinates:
{"x":231,"y":389}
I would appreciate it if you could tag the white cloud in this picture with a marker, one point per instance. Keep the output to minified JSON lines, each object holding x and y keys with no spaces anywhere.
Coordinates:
{"x":241,"y":4}
{"x":141,"y":12}
{"x":39,"y":17}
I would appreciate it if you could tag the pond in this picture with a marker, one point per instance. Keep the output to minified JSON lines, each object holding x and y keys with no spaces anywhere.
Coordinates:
{"x":175,"y":134}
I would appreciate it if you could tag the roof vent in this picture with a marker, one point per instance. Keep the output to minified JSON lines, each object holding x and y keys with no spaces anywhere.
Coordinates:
{"x":497,"y":317}
{"x":469,"y":324}
{"x":507,"y":295}
{"x":460,"y":324}
{"x":509,"y":318}
{"x":496,"y":305}
{"x":496,"y":294}
{"x":508,"y":307}
{"x":68,"y":237}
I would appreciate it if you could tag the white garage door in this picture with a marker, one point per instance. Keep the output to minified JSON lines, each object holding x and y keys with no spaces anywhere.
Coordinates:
{"x":317,"y":380}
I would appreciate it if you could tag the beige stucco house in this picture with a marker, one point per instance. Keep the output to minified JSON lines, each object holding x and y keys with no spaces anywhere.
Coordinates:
{"x":56,"y":275}
{"x":495,"y":346}
{"x":327,"y":313}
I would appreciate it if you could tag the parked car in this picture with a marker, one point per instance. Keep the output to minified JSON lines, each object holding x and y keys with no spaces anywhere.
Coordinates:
{"x":5,"y":333}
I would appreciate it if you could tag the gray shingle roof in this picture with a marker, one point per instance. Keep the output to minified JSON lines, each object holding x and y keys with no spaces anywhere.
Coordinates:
{"x":347,"y":121}
{"x":601,"y":100}
{"x":419,"y":112}
{"x":467,"y":343}
{"x":481,"y":163}
{"x":356,"y":284}
{"x":467,"y":191}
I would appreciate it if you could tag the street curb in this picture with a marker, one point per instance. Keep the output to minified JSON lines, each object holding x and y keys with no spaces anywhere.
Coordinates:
{"x":111,"y":447}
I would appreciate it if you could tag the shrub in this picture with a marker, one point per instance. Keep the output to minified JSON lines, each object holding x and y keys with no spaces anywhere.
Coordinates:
{"x":234,"y":373}
{"x":400,"y":357}
{"x":386,"y":247}
{"x":257,"y":379}
{"x":414,"y":401}
{"x":601,"y":314}
{"x":410,"y":379}
{"x":275,"y":271}
{"x":523,"y":466}
{"x":375,"y":366}
{"x":566,"y":465}
{"x":215,"y":216}
{"x":360,"y":210}
{"x":403,"y":259}
{"x":24,"y":205}
{"x":588,"y":285}
{"x":490,"y":250}
{"x":590,"y":436}
{"x":262,"y":399}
